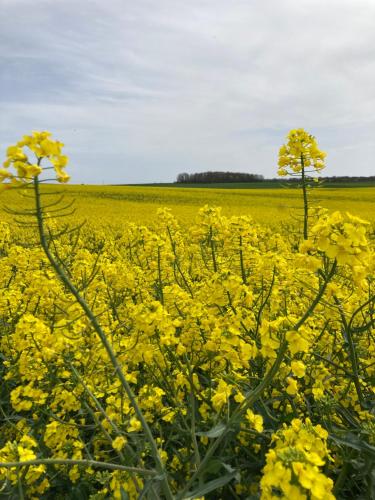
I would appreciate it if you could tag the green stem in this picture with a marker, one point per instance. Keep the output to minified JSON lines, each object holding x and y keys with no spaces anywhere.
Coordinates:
{"x":212,"y":245}
{"x":305,"y":202}
{"x":341,"y":479}
{"x":319,"y":295}
{"x":21,"y":496}
{"x":248,"y":402}
{"x":87,"y":463}
{"x":160,"y":281}
{"x":262,"y":386}
{"x":243,"y":273}
{"x":347,"y":334}
{"x":104,"y":340}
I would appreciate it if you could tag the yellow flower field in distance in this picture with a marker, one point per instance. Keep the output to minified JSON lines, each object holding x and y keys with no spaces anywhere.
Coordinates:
{"x":117,"y":205}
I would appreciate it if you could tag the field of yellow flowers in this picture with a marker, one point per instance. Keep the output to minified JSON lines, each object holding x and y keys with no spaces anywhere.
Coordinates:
{"x":115,"y":206}
{"x":266,"y":206}
{"x":212,"y":356}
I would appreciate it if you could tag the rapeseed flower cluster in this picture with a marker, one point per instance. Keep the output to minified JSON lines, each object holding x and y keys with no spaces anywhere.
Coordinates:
{"x":340,"y":236}
{"x":292,"y":469}
{"x":23,"y":450}
{"x":25,"y":168}
{"x":300,"y":153}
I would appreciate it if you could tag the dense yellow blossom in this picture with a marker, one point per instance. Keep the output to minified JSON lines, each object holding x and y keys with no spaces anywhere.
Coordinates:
{"x":185,"y":323}
{"x":301,"y":152}
{"x":225,"y":329}
{"x":40,"y":146}
{"x":292,"y":467}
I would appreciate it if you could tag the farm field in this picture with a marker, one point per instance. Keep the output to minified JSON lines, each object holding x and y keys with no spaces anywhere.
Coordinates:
{"x":214,"y":325}
{"x":117,"y":205}
{"x":171,"y":349}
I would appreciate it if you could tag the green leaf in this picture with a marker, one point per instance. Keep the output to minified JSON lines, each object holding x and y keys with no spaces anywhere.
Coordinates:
{"x":213,"y":467}
{"x":210,"y":486}
{"x":148,"y":485}
{"x":214,"y":432}
{"x":353,"y":441}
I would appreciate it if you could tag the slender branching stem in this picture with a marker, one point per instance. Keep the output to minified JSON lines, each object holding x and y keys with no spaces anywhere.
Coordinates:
{"x":103,"y":338}
{"x":305,"y":202}
{"x":84,"y":463}
{"x":261,"y":387}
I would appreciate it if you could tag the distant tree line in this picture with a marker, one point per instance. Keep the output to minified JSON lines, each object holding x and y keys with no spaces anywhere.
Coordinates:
{"x":211,"y":177}
{"x":346,"y":178}
{"x":227,"y":177}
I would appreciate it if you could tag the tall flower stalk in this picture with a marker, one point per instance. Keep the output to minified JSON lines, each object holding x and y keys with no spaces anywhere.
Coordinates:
{"x":301,"y":157}
{"x":27,"y":174}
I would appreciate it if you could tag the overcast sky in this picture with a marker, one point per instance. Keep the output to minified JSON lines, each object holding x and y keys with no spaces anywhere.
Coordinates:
{"x":141,"y":90}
